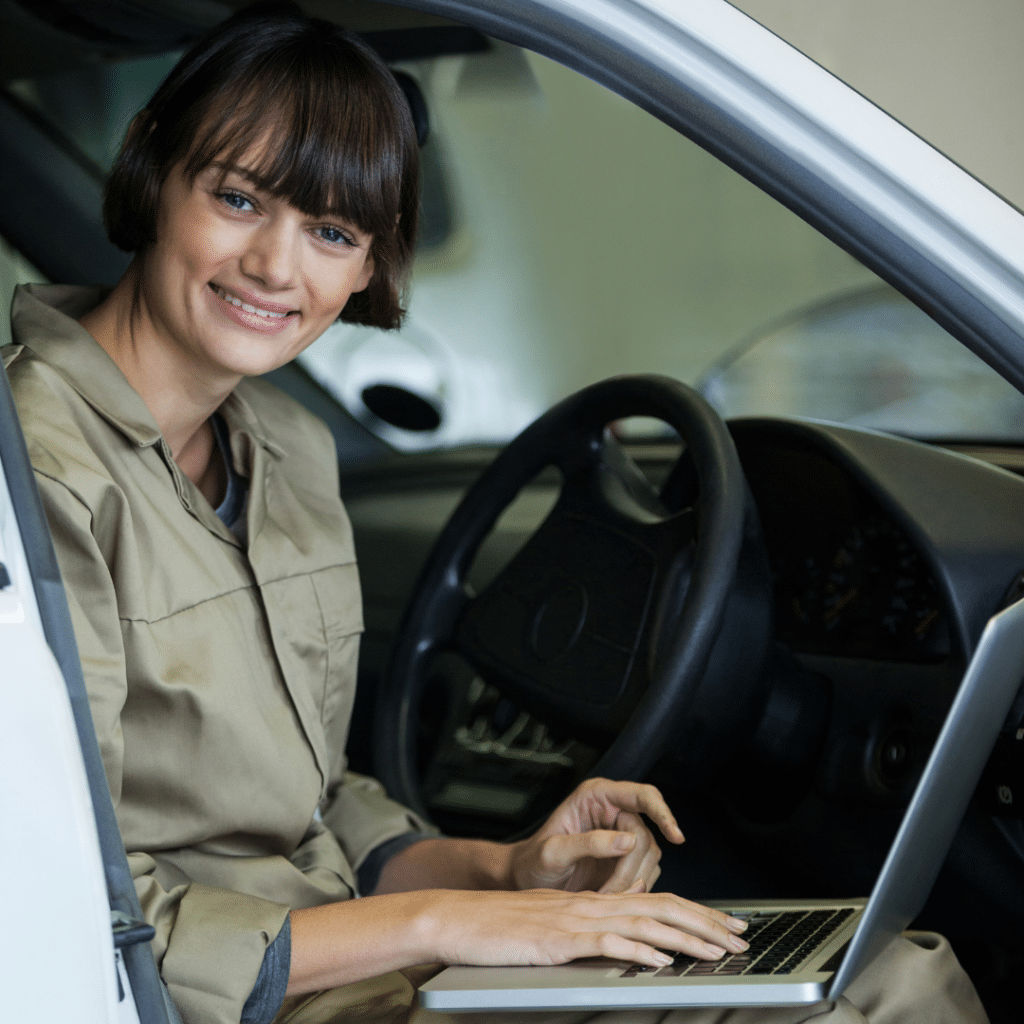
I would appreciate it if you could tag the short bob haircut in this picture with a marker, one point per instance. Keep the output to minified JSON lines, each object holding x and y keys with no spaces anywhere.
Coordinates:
{"x":342,"y":139}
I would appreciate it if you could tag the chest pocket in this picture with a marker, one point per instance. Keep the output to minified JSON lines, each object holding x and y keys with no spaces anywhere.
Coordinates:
{"x":315,"y":621}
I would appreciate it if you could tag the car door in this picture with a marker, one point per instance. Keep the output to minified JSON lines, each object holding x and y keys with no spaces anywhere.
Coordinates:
{"x":73,"y":946}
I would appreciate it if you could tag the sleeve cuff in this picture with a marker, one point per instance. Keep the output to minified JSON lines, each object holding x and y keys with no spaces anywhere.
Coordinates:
{"x":363,"y":817}
{"x":216,"y":951}
{"x":272,"y":982}
{"x":369,"y":871}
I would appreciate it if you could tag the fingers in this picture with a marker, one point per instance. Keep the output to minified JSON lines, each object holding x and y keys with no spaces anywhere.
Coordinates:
{"x":544,"y":926}
{"x":662,"y":922}
{"x":641,"y":798}
{"x":655,"y":937}
{"x":600,"y":820}
{"x":597,"y":802}
{"x":559,"y":855}
{"x":640,"y":862}
{"x":634,"y":877}
{"x":668,"y":922}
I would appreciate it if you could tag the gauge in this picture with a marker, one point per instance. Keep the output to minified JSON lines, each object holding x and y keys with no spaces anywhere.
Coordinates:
{"x":868,"y":593}
{"x":848,"y":579}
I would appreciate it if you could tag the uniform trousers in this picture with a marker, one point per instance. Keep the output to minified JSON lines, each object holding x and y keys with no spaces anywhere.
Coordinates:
{"x":916,"y":980}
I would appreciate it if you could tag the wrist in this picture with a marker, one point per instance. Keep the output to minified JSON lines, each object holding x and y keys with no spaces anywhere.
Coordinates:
{"x":494,"y":865}
{"x":444,"y":863}
{"x":425,"y":926}
{"x":521,"y":861}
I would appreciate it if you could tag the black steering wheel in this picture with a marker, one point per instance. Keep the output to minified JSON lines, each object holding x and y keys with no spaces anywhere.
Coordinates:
{"x":608,"y":615}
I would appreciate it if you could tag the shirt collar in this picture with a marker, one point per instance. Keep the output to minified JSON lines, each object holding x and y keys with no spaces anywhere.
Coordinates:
{"x":44,"y":319}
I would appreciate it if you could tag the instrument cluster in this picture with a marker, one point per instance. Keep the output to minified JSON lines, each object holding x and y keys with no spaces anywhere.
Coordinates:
{"x":848,"y":578}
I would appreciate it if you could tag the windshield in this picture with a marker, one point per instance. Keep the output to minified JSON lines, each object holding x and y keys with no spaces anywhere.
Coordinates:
{"x":570,"y":237}
{"x":869,"y":358}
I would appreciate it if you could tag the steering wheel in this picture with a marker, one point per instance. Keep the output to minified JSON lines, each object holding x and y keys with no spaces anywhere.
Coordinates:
{"x":608,"y":615}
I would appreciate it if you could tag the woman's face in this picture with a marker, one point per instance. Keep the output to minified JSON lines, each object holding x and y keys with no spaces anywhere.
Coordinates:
{"x":241,"y":281}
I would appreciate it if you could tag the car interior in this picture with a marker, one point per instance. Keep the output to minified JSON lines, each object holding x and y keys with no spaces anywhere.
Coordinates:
{"x":569,"y":236}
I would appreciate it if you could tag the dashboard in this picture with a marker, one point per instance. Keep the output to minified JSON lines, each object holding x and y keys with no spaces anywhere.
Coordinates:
{"x":881,"y":548}
{"x":887,"y":557}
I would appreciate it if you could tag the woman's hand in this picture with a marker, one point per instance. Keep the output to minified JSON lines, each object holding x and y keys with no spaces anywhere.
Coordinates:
{"x":547,"y":926}
{"x":345,"y":942}
{"x":596,"y":839}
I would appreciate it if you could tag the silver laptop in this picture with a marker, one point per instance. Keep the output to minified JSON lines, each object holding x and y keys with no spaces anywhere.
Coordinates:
{"x":801,"y":951}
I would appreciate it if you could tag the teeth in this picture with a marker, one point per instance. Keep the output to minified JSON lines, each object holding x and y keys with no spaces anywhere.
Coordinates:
{"x":235,"y":301}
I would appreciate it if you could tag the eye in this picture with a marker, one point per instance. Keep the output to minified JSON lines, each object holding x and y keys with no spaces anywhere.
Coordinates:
{"x":236,"y":201}
{"x":334,"y":235}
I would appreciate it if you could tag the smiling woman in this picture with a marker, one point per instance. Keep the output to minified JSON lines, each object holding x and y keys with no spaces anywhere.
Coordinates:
{"x":332,"y":139}
{"x":268,"y":189}
{"x":293,"y":204}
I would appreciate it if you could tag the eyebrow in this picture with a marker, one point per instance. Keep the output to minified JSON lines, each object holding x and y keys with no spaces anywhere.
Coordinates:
{"x":242,"y":172}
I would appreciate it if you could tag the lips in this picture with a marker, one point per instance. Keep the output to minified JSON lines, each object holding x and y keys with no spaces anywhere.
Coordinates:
{"x":253,"y":312}
{"x":250,"y":304}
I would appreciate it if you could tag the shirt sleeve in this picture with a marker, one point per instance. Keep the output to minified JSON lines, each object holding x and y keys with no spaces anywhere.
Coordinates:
{"x":210,"y":943}
{"x":364,"y":817}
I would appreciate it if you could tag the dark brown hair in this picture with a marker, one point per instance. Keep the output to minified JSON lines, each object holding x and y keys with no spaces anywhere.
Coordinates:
{"x":342,"y":138}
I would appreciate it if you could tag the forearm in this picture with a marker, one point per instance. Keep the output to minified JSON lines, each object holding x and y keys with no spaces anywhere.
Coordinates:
{"x":340,"y":943}
{"x":448,"y":864}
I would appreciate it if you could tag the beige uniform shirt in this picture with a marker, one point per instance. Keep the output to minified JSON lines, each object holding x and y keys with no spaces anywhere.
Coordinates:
{"x":221,"y":679}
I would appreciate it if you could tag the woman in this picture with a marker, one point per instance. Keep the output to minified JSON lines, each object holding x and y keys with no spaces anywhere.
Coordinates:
{"x":267,"y":189}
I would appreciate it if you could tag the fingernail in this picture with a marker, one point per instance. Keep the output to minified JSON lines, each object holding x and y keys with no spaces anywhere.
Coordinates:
{"x":661,"y":960}
{"x":737,"y":944}
{"x":624,"y":841}
{"x":736,"y":924}
{"x":713,"y":952}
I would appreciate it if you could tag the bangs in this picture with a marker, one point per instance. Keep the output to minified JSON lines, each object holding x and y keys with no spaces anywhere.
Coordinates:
{"x":314,"y":133}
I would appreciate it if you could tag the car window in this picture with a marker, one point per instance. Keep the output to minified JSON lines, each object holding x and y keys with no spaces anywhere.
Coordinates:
{"x":570,"y":236}
{"x":592,"y":240}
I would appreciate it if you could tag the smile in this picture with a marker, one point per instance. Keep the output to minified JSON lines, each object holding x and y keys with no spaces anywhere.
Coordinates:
{"x":245,"y":306}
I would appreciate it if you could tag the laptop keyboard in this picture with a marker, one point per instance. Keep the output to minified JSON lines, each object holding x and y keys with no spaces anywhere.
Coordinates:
{"x":779,"y":943}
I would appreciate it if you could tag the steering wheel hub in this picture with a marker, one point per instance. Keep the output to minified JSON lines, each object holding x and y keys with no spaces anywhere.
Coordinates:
{"x":558,"y":622}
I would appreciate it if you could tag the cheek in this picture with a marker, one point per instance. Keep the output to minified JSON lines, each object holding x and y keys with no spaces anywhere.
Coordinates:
{"x":208,"y":245}
{"x":196,"y":241}
{"x":331,"y":286}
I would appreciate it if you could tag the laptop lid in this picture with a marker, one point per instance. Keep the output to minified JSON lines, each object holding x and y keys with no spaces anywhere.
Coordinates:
{"x":943,"y":792}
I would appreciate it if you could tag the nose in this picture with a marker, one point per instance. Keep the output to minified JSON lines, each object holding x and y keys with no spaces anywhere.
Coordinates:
{"x":271,"y":254}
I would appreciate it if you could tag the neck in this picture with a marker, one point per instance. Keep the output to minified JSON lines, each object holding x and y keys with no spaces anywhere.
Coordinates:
{"x":180,"y":393}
